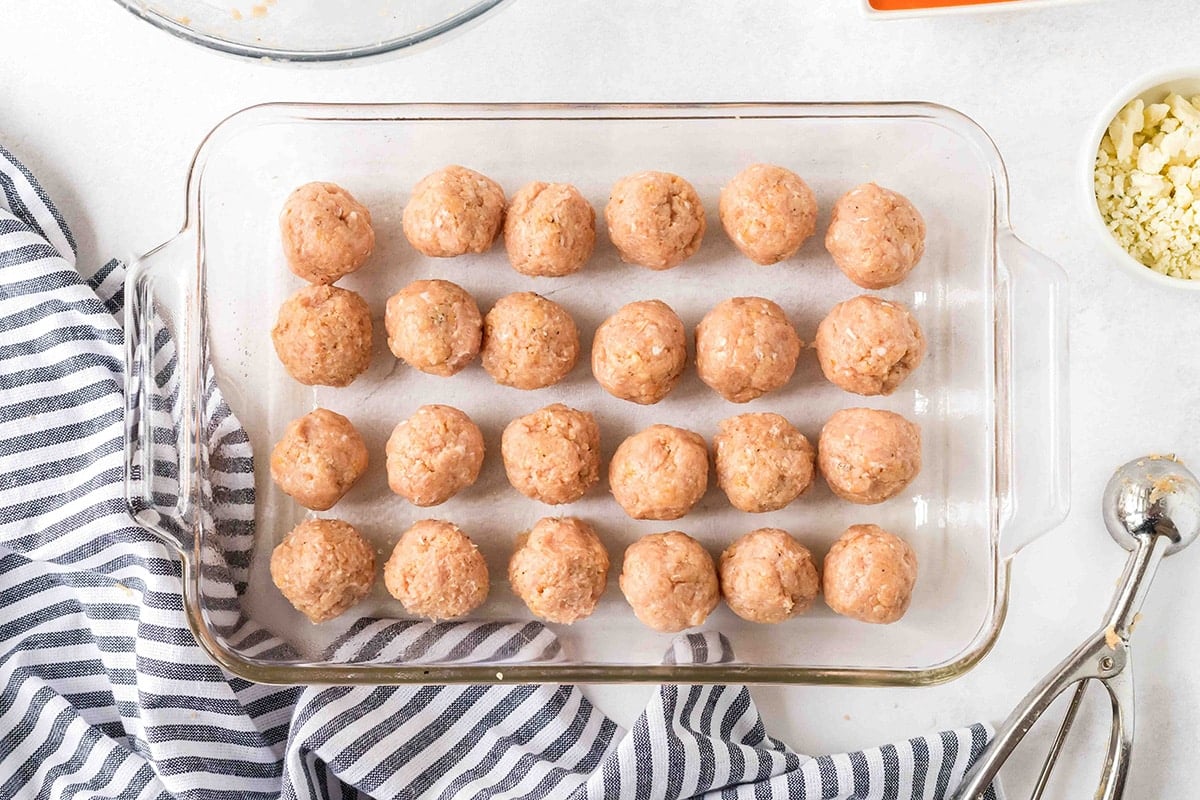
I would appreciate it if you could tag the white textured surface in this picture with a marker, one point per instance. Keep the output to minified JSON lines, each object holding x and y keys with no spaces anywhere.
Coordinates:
{"x":107,"y":111}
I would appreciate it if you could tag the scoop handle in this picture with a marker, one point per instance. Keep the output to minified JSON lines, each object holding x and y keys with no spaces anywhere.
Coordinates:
{"x":1032,"y":315}
{"x":1094,"y":660}
{"x":1105,"y":658}
{"x":162,"y":342}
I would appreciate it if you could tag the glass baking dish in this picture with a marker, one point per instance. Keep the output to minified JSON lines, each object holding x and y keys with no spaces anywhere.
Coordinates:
{"x":990,"y":397}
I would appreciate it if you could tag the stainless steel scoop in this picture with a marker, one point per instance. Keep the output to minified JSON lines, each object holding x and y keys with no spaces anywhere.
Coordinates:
{"x":1152,"y":509}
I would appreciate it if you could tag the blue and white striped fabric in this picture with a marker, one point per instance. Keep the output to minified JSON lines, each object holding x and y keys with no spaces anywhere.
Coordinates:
{"x":106,"y":693}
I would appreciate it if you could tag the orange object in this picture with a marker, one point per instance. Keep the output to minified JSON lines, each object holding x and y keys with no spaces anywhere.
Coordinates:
{"x":903,"y":5}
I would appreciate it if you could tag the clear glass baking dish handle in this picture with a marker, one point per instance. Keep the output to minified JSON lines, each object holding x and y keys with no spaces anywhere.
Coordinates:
{"x":162,"y":344}
{"x":1037,"y":440}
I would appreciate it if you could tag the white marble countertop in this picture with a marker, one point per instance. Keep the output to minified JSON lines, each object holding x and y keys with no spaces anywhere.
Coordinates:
{"x":107,"y":111}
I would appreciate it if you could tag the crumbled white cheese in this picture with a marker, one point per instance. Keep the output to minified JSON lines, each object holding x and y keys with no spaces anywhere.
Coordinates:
{"x":1148,"y":183}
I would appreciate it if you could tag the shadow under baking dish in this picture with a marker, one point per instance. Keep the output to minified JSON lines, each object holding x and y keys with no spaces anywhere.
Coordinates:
{"x":220,"y":282}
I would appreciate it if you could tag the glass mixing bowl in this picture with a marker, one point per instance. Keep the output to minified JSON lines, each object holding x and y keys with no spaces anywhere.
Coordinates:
{"x":309,"y":30}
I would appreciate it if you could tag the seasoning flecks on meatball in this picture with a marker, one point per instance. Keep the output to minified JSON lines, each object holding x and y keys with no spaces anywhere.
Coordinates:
{"x":454,"y":211}
{"x":768,"y":212}
{"x":326,"y":233}
{"x":868,"y":346}
{"x":529,"y":342}
{"x":553,"y":454}
{"x":655,"y":219}
{"x":638,"y":354}
{"x":549,"y":230}
{"x":876,"y":236}
{"x":320,"y":457}
{"x":767,"y":576}
{"x":323,"y":568}
{"x":559,"y":569}
{"x":763,"y":462}
{"x":436,"y":571}
{"x":670,"y":581}
{"x":867,"y":455}
{"x":434,"y":326}
{"x":433,"y":455}
{"x":745,"y":348}
{"x":869,"y":575}
{"x":323,"y":336}
{"x":659,"y":473}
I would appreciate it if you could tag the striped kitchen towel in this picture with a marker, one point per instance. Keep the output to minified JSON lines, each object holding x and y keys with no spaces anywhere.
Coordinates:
{"x":106,"y":693}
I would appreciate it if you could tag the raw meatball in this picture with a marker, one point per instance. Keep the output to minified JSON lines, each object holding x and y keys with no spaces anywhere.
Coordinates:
{"x":670,"y":581}
{"x":559,"y":569}
{"x":454,"y":211}
{"x":434,"y":326}
{"x":869,"y":346}
{"x":549,"y":230}
{"x":639,"y":352}
{"x":767,"y":576}
{"x":746,"y":347}
{"x":552,"y":455}
{"x":655,"y":219}
{"x":436,"y":571}
{"x":768,"y":212}
{"x":869,"y":574}
{"x":868,"y":456}
{"x":659,"y":473}
{"x":763,"y":462}
{"x":529,"y":342}
{"x":323,"y":336}
{"x":323,"y":567}
{"x":876,"y":236}
{"x":433,"y":455}
{"x":318,"y":459}
{"x":326,"y":233}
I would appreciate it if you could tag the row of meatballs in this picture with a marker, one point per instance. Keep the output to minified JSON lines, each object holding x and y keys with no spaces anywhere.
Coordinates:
{"x":552,"y":455}
{"x":745,"y":346}
{"x":655,"y":220}
{"x":560,"y":570}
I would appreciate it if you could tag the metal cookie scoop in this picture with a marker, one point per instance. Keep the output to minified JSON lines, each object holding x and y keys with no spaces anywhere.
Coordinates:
{"x":1152,"y":509}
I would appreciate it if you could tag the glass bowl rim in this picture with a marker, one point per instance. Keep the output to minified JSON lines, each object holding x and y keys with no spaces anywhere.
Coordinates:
{"x":164,"y":22}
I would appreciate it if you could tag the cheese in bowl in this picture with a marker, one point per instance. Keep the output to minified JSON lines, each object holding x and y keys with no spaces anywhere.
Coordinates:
{"x":1147,"y":183}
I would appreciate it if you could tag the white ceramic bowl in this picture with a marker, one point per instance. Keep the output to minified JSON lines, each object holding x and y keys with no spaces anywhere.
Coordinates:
{"x":976,"y":8}
{"x":1152,"y":89}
